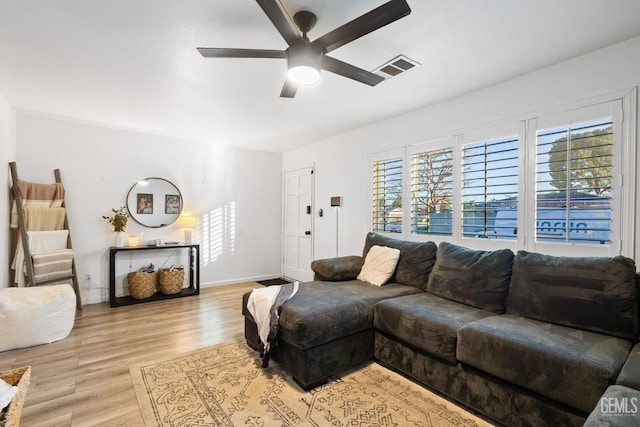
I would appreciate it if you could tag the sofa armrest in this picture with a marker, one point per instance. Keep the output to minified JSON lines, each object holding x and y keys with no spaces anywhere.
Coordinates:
{"x":629,"y":375}
{"x":337,"y":269}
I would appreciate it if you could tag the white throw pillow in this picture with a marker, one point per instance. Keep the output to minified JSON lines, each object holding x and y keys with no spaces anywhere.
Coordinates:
{"x":379,"y":265}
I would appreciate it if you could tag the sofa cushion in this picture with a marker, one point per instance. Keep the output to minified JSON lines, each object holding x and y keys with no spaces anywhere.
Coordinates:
{"x":379,"y":265}
{"x":593,"y":293}
{"x":476,"y":278}
{"x":569,"y":365}
{"x":337,"y":269}
{"x":425,"y":322}
{"x":629,"y":376}
{"x":415,"y":263}
{"x":321,"y":312}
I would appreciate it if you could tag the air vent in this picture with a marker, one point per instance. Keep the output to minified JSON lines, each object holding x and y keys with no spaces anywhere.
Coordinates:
{"x":396,"y":66}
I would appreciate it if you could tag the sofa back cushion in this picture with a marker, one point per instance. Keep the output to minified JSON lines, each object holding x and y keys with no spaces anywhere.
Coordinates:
{"x":598,"y":294}
{"x":476,"y":278}
{"x":415,"y":262}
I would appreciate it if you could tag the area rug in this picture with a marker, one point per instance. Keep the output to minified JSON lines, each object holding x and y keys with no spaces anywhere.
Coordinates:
{"x":224,"y":385}
{"x":271,"y":282}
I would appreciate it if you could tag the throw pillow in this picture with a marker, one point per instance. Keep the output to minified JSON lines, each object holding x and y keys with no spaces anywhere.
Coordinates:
{"x":416,"y":259}
{"x":476,"y":278}
{"x":593,"y":293}
{"x":379,"y":265}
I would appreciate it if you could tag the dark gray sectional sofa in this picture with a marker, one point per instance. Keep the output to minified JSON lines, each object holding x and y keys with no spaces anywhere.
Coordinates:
{"x":524,"y":339}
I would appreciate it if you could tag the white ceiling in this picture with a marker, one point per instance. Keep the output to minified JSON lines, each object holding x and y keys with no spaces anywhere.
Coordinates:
{"x":133,"y":63}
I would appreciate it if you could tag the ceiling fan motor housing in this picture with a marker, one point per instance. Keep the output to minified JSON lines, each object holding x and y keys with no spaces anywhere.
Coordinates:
{"x":304,"y":53}
{"x":305,"y":21}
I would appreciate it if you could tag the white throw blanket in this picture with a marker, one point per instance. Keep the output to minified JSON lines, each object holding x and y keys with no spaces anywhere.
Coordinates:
{"x":39,"y":242}
{"x":7,"y":391}
{"x":264,"y":304}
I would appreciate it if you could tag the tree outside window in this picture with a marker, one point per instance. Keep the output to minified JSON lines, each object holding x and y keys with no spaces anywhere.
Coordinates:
{"x":573,"y":194}
{"x":432,"y":192}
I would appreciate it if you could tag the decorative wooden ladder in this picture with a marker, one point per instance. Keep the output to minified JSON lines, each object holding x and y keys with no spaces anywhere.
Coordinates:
{"x":22,"y":227}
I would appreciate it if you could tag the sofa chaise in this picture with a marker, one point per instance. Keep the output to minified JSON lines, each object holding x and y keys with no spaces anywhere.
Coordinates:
{"x":524,"y":339}
{"x":327,"y":326}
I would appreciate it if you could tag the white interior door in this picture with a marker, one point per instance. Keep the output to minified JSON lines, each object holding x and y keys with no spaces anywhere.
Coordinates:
{"x":298,"y":222}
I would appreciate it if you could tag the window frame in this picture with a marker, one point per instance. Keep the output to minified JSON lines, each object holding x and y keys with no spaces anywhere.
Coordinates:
{"x":517,"y":129}
{"x":382,"y":156}
{"x":613,"y":109}
{"x":433,"y":145}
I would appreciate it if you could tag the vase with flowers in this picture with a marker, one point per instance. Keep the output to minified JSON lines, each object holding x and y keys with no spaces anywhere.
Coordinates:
{"x":118,"y":219}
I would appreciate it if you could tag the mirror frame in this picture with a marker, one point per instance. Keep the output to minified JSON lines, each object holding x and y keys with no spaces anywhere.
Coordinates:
{"x":161,"y":219}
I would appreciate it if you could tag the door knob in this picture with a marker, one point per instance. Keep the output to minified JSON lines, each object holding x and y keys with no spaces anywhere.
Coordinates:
{"x":307,"y":233}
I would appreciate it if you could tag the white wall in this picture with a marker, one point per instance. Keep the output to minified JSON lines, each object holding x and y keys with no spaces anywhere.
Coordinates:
{"x":7,"y":153}
{"x":341,"y":163}
{"x":99,"y":165}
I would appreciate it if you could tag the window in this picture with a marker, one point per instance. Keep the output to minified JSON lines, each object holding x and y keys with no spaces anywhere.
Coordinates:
{"x":432,"y":192}
{"x":573,"y":183}
{"x":387,"y":195}
{"x":490,"y":189}
{"x":560,"y":183}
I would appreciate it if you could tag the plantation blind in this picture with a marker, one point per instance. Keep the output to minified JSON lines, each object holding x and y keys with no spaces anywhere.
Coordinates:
{"x":574,"y":167}
{"x":387,"y":195}
{"x":432,"y":192}
{"x":490,"y":189}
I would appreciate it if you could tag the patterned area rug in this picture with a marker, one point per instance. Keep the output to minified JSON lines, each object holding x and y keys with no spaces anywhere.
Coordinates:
{"x":223,"y":385}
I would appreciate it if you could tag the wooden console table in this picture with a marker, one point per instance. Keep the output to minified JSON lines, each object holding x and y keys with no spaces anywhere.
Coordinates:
{"x":194,"y":274}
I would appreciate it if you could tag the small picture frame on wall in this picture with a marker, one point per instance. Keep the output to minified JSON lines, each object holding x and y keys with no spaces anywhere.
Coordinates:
{"x":171,"y":204}
{"x":145,"y":203}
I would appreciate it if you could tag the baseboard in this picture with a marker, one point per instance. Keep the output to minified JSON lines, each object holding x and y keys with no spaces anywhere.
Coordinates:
{"x":93,"y":299}
{"x":238,"y":280}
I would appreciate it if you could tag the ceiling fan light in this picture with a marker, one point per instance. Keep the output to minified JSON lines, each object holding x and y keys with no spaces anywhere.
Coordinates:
{"x":303,"y":75}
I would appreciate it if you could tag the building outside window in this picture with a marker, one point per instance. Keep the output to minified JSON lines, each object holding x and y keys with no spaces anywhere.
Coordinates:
{"x":490,"y":189}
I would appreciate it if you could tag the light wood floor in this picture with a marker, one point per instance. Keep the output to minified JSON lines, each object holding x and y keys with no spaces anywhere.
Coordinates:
{"x":84,"y":379}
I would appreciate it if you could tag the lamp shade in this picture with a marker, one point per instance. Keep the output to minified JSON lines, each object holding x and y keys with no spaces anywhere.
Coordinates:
{"x":303,"y":62}
{"x":187,"y":221}
{"x":303,"y":75}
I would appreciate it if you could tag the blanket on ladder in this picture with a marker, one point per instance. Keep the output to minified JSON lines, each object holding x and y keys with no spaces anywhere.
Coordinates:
{"x":264,"y":305}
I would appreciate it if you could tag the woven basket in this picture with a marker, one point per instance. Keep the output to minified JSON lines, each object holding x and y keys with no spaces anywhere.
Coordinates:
{"x":171,"y":281}
{"x":141,"y":285}
{"x":17,"y":377}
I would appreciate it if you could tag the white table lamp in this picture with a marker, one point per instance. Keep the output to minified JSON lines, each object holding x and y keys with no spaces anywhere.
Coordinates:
{"x":188,"y":223}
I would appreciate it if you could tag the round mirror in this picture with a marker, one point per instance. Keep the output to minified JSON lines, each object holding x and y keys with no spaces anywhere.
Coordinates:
{"x":154,"y":202}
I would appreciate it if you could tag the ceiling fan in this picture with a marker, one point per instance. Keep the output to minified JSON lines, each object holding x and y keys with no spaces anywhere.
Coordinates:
{"x":306,"y":58}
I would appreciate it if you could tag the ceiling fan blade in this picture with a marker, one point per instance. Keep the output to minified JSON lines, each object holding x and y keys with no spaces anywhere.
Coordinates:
{"x":288,"y":90}
{"x":215,"y":52}
{"x":347,"y":70}
{"x":282,"y":22}
{"x":371,"y":21}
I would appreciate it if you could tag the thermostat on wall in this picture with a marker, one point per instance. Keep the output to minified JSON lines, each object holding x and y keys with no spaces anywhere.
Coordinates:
{"x":336,"y":201}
